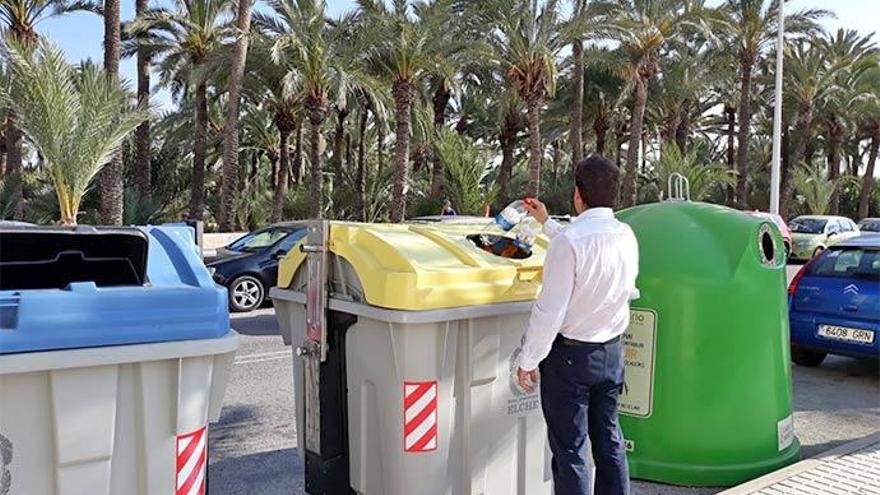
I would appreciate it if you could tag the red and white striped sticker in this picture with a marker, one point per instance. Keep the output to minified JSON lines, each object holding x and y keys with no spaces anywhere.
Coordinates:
{"x":192,"y":456}
{"x":419,"y":416}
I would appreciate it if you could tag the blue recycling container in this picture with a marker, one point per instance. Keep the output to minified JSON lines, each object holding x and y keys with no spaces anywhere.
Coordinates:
{"x":65,"y":288}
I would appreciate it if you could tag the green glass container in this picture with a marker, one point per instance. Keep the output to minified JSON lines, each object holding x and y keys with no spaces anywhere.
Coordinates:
{"x":707,"y":399}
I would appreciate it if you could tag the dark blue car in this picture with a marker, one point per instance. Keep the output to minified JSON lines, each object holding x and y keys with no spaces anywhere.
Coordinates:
{"x":249,"y":265}
{"x":834,"y":303}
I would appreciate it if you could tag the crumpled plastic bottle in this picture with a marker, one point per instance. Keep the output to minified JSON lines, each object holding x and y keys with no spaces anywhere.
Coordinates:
{"x":511,"y":215}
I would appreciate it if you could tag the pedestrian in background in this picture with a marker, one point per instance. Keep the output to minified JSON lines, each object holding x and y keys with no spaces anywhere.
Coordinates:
{"x":574,"y":334}
{"x":447,"y":209}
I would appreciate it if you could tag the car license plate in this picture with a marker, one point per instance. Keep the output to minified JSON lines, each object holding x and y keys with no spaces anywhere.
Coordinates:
{"x":846,"y":334}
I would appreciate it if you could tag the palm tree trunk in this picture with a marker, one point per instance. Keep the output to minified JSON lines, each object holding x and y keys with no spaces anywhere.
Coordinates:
{"x":746,"y":63}
{"x":200,"y":146}
{"x":317,"y":113}
{"x":868,"y":179}
{"x":283,"y":169}
{"x":533,"y":113}
{"x":835,"y":137}
{"x":576,"y":133}
{"x":630,"y":178}
{"x":228,"y":191}
{"x":111,"y":186}
{"x":339,"y":140}
{"x":362,"y":164}
{"x":600,"y":129}
{"x":683,"y":130}
{"x":507,"y":139}
{"x":13,"y":165}
{"x":802,"y":131}
{"x":731,"y":150}
{"x":404,"y":93}
{"x":440,"y":100}
{"x":142,"y":176}
{"x":297,"y":162}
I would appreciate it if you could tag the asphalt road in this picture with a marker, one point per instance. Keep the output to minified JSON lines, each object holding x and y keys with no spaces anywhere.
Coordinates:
{"x":252,"y":447}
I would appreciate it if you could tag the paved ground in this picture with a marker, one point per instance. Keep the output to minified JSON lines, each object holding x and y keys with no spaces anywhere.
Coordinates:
{"x":253,"y":445}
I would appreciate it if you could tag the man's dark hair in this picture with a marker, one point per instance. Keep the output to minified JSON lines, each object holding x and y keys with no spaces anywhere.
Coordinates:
{"x":596,"y":178}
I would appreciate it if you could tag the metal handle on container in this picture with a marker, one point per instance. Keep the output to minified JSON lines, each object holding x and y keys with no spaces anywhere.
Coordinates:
{"x":678,"y":188}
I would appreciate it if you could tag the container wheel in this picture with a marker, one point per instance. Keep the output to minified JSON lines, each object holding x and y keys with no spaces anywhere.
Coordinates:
{"x":804,"y":357}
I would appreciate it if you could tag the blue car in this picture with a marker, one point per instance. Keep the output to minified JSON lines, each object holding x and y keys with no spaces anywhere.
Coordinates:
{"x":834,"y":303}
{"x":249,"y":265}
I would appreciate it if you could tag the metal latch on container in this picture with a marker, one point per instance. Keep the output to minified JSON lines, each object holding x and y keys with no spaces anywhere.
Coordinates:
{"x":315,"y":248}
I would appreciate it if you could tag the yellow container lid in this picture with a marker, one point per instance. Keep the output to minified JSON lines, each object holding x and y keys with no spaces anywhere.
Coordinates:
{"x":422,"y":267}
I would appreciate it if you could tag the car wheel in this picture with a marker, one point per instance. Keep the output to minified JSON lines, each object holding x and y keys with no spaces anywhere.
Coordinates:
{"x":818,"y":251}
{"x":810,"y":359}
{"x":246,"y":293}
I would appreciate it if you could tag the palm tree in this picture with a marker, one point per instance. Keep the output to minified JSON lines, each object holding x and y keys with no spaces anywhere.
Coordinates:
{"x":143,"y":174}
{"x":810,"y":80}
{"x":870,"y":129}
{"x":230,"y":132}
{"x":644,"y":28}
{"x":815,"y":188}
{"x":585,"y":22}
{"x":322,"y":75}
{"x":406,"y":51}
{"x":525,"y":43}
{"x":268,"y":82}
{"x":75,"y":119}
{"x":753,"y":28}
{"x":20,"y":19}
{"x":189,"y":38}
{"x":112,"y":189}
{"x":853,"y":53}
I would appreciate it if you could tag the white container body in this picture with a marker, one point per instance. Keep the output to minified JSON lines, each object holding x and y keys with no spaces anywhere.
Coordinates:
{"x":110,"y":420}
{"x":490,"y":437}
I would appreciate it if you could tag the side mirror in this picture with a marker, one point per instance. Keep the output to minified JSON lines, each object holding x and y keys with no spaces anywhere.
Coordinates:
{"x":280,"y":254}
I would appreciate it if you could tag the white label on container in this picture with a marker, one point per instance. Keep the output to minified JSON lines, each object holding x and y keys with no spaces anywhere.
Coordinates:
{"x":518,"y":402}
{"x":785,"y":432}
{"x":639,"y":347}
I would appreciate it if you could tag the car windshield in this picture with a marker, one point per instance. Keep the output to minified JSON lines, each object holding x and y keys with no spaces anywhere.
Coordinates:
{"x":850,"y":262}
{"x":872,"y":226}
{"x":259,"y":240}
{"x":808,"y":225}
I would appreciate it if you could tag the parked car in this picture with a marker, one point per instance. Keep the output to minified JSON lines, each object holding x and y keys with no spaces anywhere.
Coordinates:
{"x":834,"y":303}
{"x":869,"y":225}
{"x":780,"y":224}
{"x":812,"y":234}
{"x":249,"y":265}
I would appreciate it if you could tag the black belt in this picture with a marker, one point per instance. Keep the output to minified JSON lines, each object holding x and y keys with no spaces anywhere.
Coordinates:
{"x":567,"y":341}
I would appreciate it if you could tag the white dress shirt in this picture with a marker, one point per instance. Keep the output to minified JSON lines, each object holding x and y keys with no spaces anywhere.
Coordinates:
{"x":589,"y":278}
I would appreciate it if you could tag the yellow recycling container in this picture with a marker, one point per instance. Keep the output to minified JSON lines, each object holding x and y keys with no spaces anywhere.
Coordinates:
{"x":409,"y":334}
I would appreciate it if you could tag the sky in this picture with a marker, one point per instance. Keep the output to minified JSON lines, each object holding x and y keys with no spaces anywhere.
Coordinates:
{"x":81,"y":35}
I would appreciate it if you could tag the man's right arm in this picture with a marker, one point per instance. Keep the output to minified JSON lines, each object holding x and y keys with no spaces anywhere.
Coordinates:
{"x":538,"y":210}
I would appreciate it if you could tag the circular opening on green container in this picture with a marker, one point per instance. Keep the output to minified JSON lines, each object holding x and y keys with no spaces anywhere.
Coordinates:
{"x":499,"y":246}
{"x":768,"y":249}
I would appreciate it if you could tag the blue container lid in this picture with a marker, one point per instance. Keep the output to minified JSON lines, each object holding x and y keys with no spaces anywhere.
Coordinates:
{"x":64,"y":288}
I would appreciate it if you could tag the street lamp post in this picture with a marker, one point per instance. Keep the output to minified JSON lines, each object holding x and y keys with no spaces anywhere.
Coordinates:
{"x":777,"y":115}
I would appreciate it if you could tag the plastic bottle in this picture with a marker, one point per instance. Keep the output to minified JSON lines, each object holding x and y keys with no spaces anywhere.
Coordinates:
{"x":528,"y":233}
{"x":511,"y":215}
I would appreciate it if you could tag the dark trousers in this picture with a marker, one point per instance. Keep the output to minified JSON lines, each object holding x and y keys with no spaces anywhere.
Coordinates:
{"x":579,"y":389}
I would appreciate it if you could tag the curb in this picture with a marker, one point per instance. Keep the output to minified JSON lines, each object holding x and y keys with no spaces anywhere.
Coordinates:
{"x":802,"y":466}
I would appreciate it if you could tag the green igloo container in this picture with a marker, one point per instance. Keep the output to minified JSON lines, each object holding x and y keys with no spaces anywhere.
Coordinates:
{"x":707,"y":399}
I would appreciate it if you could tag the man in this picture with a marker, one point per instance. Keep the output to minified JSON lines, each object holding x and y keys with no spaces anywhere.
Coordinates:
{"x":575,"y":330}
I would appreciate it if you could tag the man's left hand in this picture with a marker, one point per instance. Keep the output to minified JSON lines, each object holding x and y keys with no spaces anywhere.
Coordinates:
{"x":527,"y":379}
